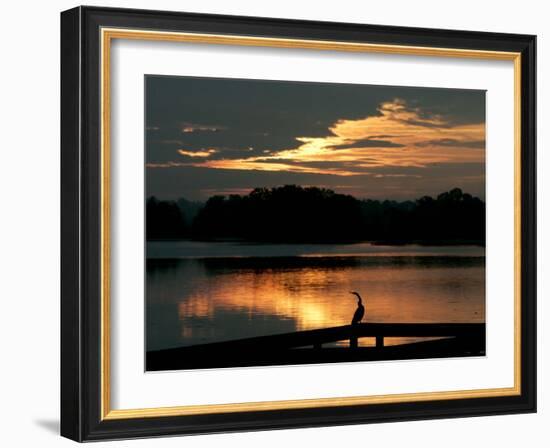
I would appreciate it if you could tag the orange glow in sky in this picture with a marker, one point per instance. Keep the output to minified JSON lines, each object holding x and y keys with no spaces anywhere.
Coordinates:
{"x":399,"y":136}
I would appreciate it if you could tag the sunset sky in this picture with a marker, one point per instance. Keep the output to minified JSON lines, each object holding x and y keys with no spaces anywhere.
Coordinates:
{"x":207,"y":136}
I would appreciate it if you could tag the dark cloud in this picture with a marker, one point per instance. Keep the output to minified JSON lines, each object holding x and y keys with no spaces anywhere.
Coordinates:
{"x":369,"y":143}
{"x":453,"y":143}
{"x":381,"y":136}
{"x":237,"y":118}
{"x":269,"y":115}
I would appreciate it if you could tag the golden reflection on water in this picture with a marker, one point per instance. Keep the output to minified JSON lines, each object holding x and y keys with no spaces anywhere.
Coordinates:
{"x":219,"y":301}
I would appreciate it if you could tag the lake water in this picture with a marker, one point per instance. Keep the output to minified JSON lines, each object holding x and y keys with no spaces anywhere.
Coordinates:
{"x":207,"y":292}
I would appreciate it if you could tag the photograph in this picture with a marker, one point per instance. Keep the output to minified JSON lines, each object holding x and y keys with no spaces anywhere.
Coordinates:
{"x":291,"y":222}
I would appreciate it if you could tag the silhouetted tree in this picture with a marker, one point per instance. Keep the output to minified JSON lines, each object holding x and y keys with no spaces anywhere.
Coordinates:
{"x":164,"y":220}
{"x":292,"y":213}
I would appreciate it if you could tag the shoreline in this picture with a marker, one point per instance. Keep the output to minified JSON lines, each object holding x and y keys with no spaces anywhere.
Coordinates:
{"x":396,"y":243}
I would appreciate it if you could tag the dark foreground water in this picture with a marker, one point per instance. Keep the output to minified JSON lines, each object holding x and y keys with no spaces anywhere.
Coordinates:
{"x":207,"y":292}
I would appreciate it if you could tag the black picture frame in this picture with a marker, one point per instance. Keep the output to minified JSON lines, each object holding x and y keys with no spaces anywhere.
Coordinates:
{"x":81,"y":208}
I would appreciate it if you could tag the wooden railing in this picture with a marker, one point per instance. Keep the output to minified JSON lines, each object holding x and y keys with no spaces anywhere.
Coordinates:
{"x":316,"y":338}
{"x":463,"y":339}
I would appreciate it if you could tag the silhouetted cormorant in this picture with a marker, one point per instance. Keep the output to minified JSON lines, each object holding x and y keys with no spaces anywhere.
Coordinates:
{"x":360,"y":311}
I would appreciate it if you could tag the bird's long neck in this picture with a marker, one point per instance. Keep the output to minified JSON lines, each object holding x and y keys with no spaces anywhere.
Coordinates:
{"x":360,"y":300}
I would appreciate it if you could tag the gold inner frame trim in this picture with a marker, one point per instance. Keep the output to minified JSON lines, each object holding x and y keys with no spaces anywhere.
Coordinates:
{"x":107,"y":35}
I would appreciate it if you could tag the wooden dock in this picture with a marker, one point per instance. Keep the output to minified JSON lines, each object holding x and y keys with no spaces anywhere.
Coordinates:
{"x":300,"y":347}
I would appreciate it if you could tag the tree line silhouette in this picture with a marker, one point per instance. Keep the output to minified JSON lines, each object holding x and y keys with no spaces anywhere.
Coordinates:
{"x":296,"y":214}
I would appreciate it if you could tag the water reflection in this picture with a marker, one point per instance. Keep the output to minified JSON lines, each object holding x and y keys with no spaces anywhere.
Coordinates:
{"x":200,"y":300}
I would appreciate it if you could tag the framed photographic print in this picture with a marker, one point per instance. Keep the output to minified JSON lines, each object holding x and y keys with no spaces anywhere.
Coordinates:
{"x":273,"y":223}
